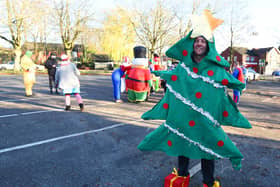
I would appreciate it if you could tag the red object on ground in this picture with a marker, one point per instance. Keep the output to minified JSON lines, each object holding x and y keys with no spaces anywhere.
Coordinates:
{"x":173,"y":180}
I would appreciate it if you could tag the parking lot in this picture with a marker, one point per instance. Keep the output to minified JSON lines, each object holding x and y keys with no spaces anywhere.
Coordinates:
{"x":42,"y":145}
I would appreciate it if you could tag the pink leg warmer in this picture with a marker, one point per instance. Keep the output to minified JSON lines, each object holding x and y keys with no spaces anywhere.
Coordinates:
{"x":78,"y":98}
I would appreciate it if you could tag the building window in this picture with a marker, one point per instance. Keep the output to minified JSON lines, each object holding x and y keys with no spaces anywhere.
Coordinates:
{"x":247,"y":58}
{"x":252,"y":59}
{"x":235,"y":58}
{"x":228,"y":58}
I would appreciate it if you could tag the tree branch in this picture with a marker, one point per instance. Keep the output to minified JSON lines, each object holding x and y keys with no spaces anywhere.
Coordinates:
{"x":6,"y":39}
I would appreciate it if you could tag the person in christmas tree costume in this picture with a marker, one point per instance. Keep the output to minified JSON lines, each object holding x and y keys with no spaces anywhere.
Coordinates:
{"x":138,"y":79}
{"x":196,"y":104}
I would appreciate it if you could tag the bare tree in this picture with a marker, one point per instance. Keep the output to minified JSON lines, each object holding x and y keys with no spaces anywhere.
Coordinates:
{"x":16,"y":12}
{"x":153,"y":29}
{"x":237,"y":28}
{"x":37,"y":25}
{"x":71,"y":24}
{"x":183,"y":28}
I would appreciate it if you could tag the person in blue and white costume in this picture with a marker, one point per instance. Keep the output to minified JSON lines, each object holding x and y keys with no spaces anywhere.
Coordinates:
{"x":118,"y":79}
{"x":67,"y":78}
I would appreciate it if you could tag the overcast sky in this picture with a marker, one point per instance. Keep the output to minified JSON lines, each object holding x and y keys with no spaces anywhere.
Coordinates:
{"x":264,"y":17}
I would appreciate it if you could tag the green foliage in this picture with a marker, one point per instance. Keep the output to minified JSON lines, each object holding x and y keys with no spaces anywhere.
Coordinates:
{"x":116,"y":66}
{"x":118,"y":35}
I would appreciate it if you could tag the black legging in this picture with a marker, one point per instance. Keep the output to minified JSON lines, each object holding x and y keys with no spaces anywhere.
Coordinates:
{"x":207,"y":168}
{"x":52,"y":81}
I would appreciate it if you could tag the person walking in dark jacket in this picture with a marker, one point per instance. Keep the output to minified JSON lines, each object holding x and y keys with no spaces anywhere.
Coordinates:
{"x":51,"y":65}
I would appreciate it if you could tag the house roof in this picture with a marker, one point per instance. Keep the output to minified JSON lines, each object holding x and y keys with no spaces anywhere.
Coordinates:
{"x":260,"y":51}
{"x":241,"y":50}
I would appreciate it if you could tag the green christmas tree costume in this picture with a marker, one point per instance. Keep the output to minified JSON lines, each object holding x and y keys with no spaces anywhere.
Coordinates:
{"x":195,"y":106}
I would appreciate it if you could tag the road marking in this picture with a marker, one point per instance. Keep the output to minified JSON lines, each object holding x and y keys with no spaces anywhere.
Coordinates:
{"x":29,"y":113}
{"x":194,"y":170}
{"x":51,"y":110}
{"x":42,"y":111}
{"x":10,"y":115}
{"x":34,"y":98}
{"x":59,"y":138}
{"x":11,"y":100}
{"x":5,"y":92}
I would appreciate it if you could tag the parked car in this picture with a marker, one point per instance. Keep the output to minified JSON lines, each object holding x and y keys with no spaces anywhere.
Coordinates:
{"x":276,"y":73}
{"x":252,"y":75}
{"x":104,"y":65}
{"x":40,"y":67}
{"x":7,"y":66}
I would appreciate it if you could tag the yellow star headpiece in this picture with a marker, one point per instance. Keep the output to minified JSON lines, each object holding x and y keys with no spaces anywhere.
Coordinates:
{"x":204,"y":25}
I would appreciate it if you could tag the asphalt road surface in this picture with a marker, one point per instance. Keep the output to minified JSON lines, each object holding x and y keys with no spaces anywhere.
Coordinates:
{"x":42,"y":145}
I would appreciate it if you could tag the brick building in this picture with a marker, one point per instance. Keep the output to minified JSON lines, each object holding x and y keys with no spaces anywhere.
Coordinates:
{"x":262,"y":60}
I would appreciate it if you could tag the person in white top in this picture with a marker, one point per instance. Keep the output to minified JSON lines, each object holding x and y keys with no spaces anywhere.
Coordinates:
{"x":67,"y":78}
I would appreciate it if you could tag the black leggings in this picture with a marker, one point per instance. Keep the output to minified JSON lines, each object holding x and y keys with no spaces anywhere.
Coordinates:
{"x":207,"y":168}
{"x":52,"y":81}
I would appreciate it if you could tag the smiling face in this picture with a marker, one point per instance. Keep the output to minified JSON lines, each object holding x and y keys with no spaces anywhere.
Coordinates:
{"x":200,"y":47}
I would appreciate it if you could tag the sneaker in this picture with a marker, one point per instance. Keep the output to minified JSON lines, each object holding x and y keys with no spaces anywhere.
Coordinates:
{"x":32,"y":95}
{"x":118,"y":101}
{"x":216,"y":184}
{"x":67,"y":108}
{"x":81,"y":107}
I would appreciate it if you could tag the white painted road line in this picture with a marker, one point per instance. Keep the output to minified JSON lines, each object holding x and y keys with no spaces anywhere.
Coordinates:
{"x":195,"y":169}
{"x":42,"y":111}
{"x":192,"y":171}
{"x":58,"y":138}
{"x":29,"y":113}
{"x":12,"y":100}
{"x":5,"y":92}
{"x":10,"y":115}
{"x":33,"y":98}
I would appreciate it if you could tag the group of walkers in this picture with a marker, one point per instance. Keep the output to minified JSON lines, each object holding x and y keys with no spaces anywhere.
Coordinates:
{"x":194,"y":106}
{"x":63,"y":75}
